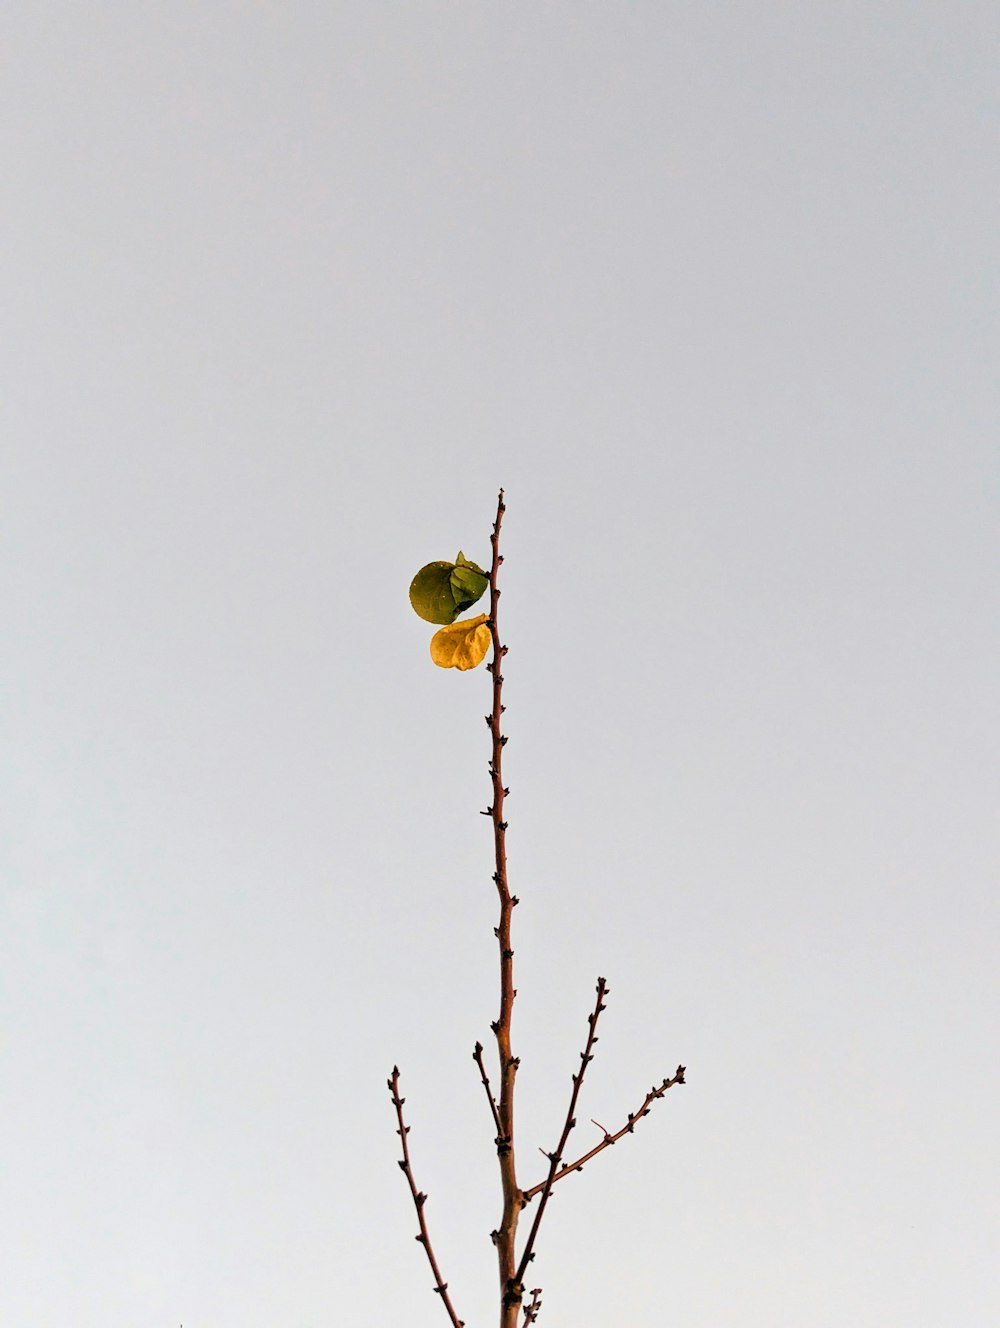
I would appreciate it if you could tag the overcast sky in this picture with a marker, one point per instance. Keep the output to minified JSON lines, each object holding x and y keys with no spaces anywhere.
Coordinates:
{"x":289,"y":290}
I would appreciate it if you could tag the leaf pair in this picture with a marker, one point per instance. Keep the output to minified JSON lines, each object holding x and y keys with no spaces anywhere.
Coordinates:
{"x":439,"y":593}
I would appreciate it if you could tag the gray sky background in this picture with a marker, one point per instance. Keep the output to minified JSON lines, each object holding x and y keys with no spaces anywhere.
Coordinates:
{"x":289,"y":291}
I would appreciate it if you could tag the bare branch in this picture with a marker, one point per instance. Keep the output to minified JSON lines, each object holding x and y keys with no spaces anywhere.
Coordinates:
{"x":609,"y":1139}
{"x":532,"y":1308}
{"x":419,"y":1199}
{"x":477,"y":1056}
{"x":555,"y":1158}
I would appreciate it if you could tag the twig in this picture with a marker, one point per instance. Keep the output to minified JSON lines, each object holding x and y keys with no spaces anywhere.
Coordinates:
{"x":531,"y":1309}
{"x":419,"y":1199}
{"x":555,"y":1158}
{"x":609,"y":1139}
{"x":477,"y":1056}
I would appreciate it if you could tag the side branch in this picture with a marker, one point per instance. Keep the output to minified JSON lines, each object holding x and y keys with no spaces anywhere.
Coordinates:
{"x":533,"y":1306}
{"x":419,"y":1199}
{"x":477,"y":1056}
{"x":609,"y":1139}
{"x":555,"y":1158}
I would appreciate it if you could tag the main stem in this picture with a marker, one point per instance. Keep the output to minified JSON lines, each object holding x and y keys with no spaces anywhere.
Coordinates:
{"x":511,"y":1291}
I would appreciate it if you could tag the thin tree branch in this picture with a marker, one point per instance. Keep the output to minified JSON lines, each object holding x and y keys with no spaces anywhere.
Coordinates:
{"x":609,"y":1139}
{"x":532,"y":1308}
{"x":511,"y":1290}
{"x":419,"y":1199}
{"x":555,"y":1158}
{"x":477,"y":1056}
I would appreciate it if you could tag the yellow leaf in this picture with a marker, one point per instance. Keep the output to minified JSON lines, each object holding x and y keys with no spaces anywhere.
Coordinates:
{"x":461,"y":645}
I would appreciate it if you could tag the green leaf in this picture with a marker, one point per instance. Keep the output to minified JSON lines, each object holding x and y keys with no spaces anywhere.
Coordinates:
{"x":431,"y":593}
{"x":468,"y":582}
{"x":441,"y":591}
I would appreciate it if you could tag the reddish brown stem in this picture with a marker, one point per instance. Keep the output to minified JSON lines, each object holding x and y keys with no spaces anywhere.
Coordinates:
{"x":511,"y":1291}
{"x":419,"y":1199}
{"x":609,"y":1139}
{"x":555,"y":1159}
